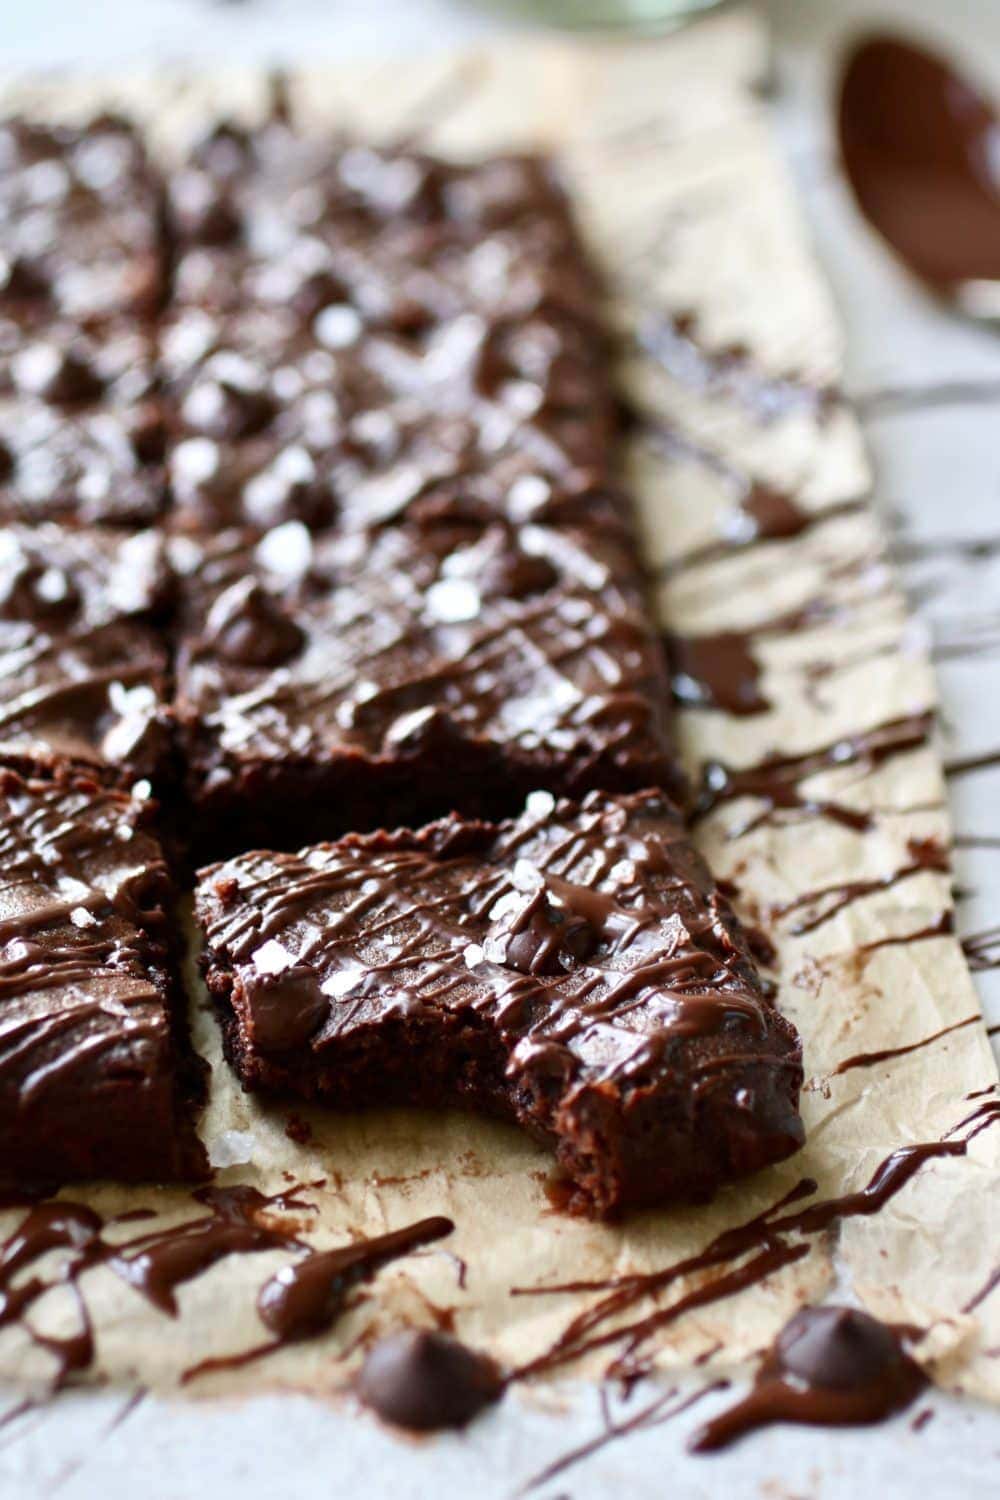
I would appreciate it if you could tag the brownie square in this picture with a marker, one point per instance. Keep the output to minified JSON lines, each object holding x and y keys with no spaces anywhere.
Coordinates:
{"x":329,"y":682}
{"x":80,"y":219}
{"x":355,"y":331}
{"x":81,"y":426}
{"x":96,"y":1075}
{"x":83,"y":657}
{"x":575,"y":971}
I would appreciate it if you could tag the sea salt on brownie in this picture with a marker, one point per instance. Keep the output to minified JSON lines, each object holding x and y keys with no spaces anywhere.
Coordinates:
{"x":575,"y":971}
{"x":83,"y":655}
{"x":82,"y":264}
{"x":333,"y":681}
{"x":357,"y":330}
{"x":80,"y":219}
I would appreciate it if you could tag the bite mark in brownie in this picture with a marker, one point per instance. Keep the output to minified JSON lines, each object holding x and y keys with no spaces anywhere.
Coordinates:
{"x":575,"y":971}
{"x":83,"y":656}
{"x":96,"y":1075}
{"x":327,"y":683}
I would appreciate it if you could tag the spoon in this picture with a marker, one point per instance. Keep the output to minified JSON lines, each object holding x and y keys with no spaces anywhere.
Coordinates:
{"x":921,"y":149}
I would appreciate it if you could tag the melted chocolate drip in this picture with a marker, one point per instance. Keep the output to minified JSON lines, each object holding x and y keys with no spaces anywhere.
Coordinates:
{"x":827,"y":902}
{"x":301,"y":1301}
{"x":761,"y":512}
{"x":776,"y":780}
{"x":772,"y":1239}
{"x":717,"y":671}
{"x":157,"y":1264}
{"x":306,"y":1298}
{"x":425,"y":1381}
{"x":918,"y":146}
{"x":870,"y":1059}
{"x":830,"y":1367}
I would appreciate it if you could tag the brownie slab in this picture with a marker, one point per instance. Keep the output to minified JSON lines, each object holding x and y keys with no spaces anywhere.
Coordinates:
{"x":327,"y":683}
{"x":354,"y":330}
{"x":574,"y":970}
{"x":96,"y":1077}
{"x":83,"y":660}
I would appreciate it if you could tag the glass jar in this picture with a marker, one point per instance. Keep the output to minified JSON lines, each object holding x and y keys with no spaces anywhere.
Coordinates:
{"x":619,"y":15}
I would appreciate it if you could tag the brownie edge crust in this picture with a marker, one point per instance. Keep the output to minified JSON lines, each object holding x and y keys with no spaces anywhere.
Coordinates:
{"x":573,"y":970}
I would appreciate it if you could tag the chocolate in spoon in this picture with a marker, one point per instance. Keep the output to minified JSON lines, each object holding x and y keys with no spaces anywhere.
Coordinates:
{"x":921,"y":149}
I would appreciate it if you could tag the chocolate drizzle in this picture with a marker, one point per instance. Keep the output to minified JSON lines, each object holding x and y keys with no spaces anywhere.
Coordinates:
{"x":831,"y":1367}
{"x":301,"y":1301}
{"x":717,"y":671}
{"x":305,"y":1298}
{"x":676,"y":344}
{"x":777,"y":780}
{"x":870,"y":1059}
{"x":927,"y":856}
{"x":771,"y":1240}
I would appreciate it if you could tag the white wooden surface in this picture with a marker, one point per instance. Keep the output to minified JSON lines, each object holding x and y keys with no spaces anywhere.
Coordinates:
{"x":938,"y":465}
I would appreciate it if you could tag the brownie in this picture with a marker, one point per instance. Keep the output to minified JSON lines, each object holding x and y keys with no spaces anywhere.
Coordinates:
{"x":355,"y":331}
{"x":332,"y":682}
{"x":81,"y":216}
{"x":96,"y":1075}
{"x":82,"y":268}
{"x":82,"y":432}
{"x":575,"y":971}
{"x":83,"y":658}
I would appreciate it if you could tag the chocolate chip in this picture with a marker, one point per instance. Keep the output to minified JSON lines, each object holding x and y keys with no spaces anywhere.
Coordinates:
{"x":20,"y":279}
{"x":317,"y":291}
{"x":223,"y":409}
{"x":514,"y":574}
{"x":147,"y":432}
{"x":534,"y":936}
{"x":836,"y":1348}
{"x":247,"y":626}
{"x":32,"y":591}
{"x":290,"y":489}
{"x":424,"y":1381}
{"x":283,"y":1010}
{"x":203,"y":211}
{"x":61,"y":376}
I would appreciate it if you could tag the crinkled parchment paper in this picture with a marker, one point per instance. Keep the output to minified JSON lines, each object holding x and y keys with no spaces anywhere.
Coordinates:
{"x":684,"y":202}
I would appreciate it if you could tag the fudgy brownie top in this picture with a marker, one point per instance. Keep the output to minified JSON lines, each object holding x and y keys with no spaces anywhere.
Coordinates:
{"x":80,"y":219}
{"x":532,"y":640}
{"x":88,"y":1030}
{"x":576,"y":969}
{"x":82,"y":664}
{"x":81,"y":429}
{"x":277,"y":419}
{"x":593,"y":935}
{"x":354,"y":329}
